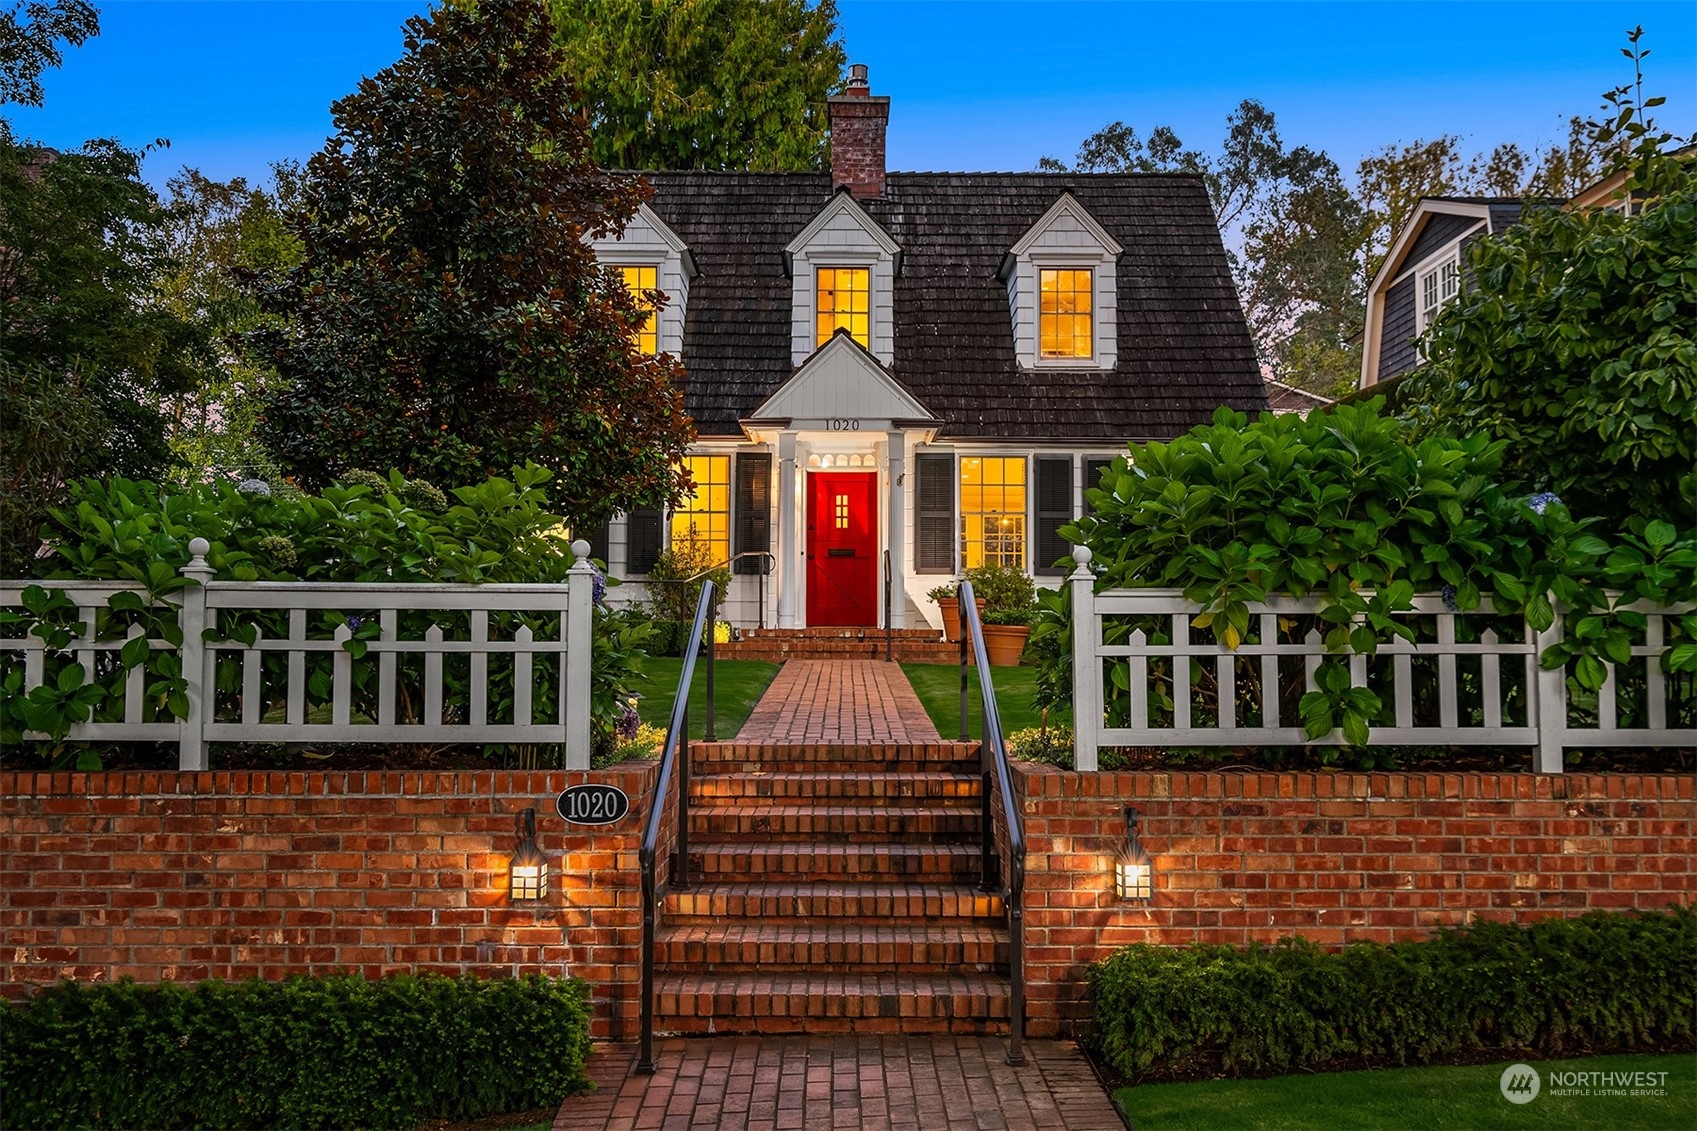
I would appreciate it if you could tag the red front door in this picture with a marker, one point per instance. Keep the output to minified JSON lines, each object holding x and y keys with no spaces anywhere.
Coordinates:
{"x":842,"y":550}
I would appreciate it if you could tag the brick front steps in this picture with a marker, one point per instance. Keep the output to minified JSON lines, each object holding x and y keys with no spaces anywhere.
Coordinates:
{"x":908,"y":645}
{"x":834,"y":889}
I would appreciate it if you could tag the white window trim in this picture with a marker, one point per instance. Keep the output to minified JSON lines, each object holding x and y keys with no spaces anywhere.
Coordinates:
{"x":1432,"y":271}
{"x":854,"y":261}
{"x":1052,"y":261}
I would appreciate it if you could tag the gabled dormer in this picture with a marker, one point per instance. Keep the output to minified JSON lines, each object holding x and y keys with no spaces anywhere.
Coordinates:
{"x":652,"y":257}
{"x":843,"y":267}
{"x":1063,"y":290}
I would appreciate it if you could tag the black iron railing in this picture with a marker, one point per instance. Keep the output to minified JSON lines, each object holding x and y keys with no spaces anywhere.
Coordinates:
{"x":889,"y":578}
{"x":993,"y":763}
{"x":675,"y":753}
{"x":711,"y":734}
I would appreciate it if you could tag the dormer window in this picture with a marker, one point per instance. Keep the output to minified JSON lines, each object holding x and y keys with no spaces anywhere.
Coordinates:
{"x":844,"y":269}
{"x":845,"y":303}
{"x":1062,"y":285}
{"x":1064,"y":325}
{"x":640,"y":281}
{"x":1439,"y":284}
{"x":652,"y":261}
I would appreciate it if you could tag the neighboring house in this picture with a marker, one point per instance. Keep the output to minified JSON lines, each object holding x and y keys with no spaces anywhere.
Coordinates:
{"x":1284,"y":398}
{"x":920,"y":368}
{"x":1421,"y":273}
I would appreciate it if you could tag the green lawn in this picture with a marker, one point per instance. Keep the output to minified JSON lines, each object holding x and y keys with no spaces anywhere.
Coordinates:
{"x":1428,"y":1099}
{"x":737,"y":684}
{"x":938,"y":687}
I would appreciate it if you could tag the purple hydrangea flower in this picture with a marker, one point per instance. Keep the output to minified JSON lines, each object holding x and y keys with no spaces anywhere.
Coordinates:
{"x":600,"y":589}
{"x":255,"y":487}
{"x":1541,"y":501}
{"x":1448,"y":594}
{"x":629,"y":720}
{"x":354,"y":623}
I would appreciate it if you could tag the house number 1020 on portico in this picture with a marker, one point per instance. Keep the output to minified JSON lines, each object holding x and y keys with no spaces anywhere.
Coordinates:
{"x":841,"y":424}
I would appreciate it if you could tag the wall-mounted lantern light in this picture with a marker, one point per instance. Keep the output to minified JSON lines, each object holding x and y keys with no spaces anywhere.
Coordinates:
{"x":1134,"y":872}
{"x":527,"y":875}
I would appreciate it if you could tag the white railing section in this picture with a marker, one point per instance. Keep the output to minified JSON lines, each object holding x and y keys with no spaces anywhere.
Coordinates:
{"x":208,"y":611}
{"x":1512,"y":702}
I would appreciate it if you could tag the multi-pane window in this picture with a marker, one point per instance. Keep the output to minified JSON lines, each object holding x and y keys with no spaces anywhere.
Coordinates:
{"x":992,"y":511}
{"x":639,"y":281}
{"x":845,"y":302}
{"x":1437,"y":287}
{"x":1064,"y":313}
{"x":705,"y":516}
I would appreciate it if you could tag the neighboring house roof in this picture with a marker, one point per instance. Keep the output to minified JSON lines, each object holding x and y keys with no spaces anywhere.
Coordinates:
{"x":1607,"y":190}
{"x":1184,"y":348}
{"x":1288,"y":398}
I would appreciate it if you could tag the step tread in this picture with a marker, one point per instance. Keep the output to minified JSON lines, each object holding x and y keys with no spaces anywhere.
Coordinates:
{"x":815,"y":994}
{"x":741,"y":931}
{"x":914,"y":785}
{"x":809,"y":899}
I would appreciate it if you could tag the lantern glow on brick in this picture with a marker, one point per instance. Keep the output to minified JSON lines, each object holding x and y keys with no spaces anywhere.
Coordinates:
{"x":527,"y":875}
{"x":1134,"y":872}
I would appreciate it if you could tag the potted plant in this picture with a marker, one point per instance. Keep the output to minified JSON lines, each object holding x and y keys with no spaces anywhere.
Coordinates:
{"x":1010,"y":601}
{"x":947,"y":597}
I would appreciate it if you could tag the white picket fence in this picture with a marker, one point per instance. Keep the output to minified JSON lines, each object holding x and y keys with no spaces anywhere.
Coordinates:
{"x":208,"y":610}
{"x":1509,"y":681}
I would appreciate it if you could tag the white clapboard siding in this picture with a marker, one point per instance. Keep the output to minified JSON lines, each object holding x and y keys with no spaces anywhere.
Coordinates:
{"x":209,"y":610}
{"x":1501,"y":665}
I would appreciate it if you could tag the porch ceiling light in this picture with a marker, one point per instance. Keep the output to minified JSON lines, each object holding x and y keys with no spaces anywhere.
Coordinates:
{"x":1134,"y":872}
{"x":527,"y":875}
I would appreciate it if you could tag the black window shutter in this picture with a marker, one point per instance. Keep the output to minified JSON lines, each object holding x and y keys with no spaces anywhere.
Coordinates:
{"x":1054,"y":510}
{"x":642,"y":540}
{"x":596,"y":536}
{"x":934,"y":514}
{"x":753,"y":510}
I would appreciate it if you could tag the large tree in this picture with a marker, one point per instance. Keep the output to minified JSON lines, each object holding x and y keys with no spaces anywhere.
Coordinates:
{"x":1291,"y":230}
{"x":447,"y":317}
{"x":29,"y":43}
{"x":703,"y":84}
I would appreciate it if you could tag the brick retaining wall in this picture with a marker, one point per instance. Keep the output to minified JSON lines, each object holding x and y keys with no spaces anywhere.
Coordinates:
{"x":234,"y":875}
{"x":1243,"y":857}
{"x":186,"y":876}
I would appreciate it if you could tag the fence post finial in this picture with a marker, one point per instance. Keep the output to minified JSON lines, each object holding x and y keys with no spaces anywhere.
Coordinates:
{"x":191,"y":741}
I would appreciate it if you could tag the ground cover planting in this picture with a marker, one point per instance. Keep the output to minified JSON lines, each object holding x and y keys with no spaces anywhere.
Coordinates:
{"x":737,"y":686}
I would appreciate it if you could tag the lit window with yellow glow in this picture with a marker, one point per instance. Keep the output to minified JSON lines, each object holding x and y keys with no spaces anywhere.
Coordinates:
{"x":842,"y":512}
{"x":639,"y":281}
{"x":705,"y":516}
{"x":845,"y":302}
{"x":1064,"y":313}
{"x":992,"y":512}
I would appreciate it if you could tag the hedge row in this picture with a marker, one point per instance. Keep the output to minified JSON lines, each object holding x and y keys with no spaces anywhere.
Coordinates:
{"x":1603,"y":982}
{"x":334,"y":1051}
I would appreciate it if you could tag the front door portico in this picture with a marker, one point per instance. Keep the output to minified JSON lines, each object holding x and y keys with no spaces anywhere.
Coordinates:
{"x":842,"y":548}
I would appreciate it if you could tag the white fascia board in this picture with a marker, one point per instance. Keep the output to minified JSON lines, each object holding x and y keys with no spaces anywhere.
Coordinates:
{"x":1392,"y":266}
{"x":841,"y":367}
{"x":842,"y":204}
{"x":1067,"y":205}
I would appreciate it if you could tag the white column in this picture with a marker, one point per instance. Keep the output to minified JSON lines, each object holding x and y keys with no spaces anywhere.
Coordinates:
{"x":577,"y":625}
{"x":896,"y":455}
{"x":1086,"y":664}
{"x":789,"y":548}
{"x":196,"y":661}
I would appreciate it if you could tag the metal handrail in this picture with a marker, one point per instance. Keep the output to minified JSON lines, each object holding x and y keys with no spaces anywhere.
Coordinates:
{"x":888,"y":644}
{"x":677,"y":741}
{"x":771,"y":564}
{"x":993,"y":760}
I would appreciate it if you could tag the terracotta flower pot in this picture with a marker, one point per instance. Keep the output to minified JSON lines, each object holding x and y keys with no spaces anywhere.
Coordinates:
{"x":1005,"y":643}
{"x":950,"y":607}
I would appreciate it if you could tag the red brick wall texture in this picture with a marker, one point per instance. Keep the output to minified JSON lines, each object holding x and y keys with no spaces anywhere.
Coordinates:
{"x":232,"y":875}
{"x":1244,"y":857}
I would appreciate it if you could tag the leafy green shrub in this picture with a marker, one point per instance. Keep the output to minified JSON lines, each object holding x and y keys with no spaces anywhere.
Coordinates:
{"x":1343,"y":507}
{"x":1052,"y":745}
{"x":1603,"y":982}
{"x":674,"y":589}
{"x":336,"y":1051}
{"x":1009,"y":594}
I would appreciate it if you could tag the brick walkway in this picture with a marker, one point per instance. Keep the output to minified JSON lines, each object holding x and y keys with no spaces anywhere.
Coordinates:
{"x":839,"y":701}
{"x":805,"y":1083}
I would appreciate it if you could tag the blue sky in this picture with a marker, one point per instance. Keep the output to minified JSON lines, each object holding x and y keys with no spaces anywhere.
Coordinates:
{"x":235,"y":85}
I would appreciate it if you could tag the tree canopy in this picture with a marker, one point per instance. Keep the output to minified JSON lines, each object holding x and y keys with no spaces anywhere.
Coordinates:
{"x":447,"y":317}
{"x":703,"y":84}
{"x":29,"y":43}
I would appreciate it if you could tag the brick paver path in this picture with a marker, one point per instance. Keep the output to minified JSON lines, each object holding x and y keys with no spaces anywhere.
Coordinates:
{"x":807,"y":1083}
{"x":839,"y":701}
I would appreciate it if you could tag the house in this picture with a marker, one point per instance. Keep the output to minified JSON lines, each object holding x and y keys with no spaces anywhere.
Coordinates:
{"x":905,"y":375}
{"x":1421,"y":273}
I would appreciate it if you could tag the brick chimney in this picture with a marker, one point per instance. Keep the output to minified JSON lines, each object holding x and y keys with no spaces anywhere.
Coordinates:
{"x":857,"y":136}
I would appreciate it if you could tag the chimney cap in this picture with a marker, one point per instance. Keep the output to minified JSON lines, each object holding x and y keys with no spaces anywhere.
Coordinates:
{"x":857,"y":76}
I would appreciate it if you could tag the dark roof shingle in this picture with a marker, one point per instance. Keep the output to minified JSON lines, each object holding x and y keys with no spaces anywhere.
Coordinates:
{"x":1184,"y":348}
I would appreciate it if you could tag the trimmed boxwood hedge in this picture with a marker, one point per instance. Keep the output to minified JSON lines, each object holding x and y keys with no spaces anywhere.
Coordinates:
{"x":1557,"y":987}
{"x":335,"y":1051}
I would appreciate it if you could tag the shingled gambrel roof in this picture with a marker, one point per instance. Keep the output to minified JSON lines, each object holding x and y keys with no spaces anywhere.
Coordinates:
{"x":1184,"y":348}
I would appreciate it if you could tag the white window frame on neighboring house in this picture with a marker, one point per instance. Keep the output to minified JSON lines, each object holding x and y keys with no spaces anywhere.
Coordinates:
{"x":1435,"y":287}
